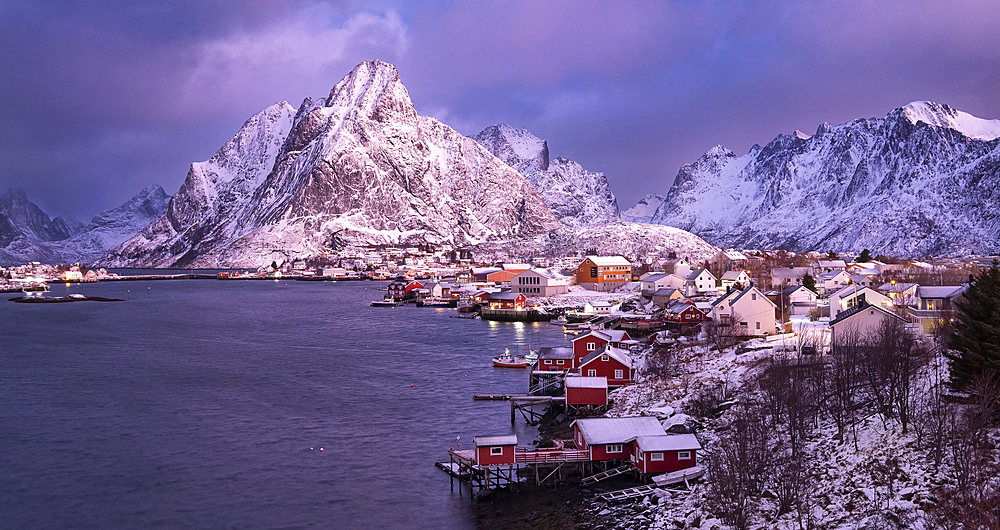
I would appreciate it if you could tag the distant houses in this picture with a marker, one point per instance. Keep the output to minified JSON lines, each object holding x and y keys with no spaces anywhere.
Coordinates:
{"x":603,"y":273}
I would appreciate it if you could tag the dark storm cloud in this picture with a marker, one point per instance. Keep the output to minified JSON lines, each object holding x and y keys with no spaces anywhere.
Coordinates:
{"x":101,"y":99}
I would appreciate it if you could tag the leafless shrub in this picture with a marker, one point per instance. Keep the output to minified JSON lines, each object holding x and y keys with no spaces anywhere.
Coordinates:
{"x":662,"y":361}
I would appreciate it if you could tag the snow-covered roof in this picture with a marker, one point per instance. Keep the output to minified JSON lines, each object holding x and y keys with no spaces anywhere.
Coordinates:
{"x":505,"y":296}
{"x":615,"y":353}
{"x":605,"y":261}
{"x":732,"y":275}
{"x":555,"y":352}
{"x":666,"y":291}
{"x":844,"y":315}
{"x":655,"y":277}
{"x":735,"y":255}
{"x":698,"y":272}
{"x":586,"y":382}
{"x":833,"y":263}
{"x":667,"y":442}
{"x":940,"y":291}
{"x":829,"y":275}
{"x":516,"y":266}
{"x":600,"y":431}
{"x":484,"y":441}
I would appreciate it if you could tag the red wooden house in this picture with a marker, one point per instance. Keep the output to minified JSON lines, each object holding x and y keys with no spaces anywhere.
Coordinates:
{"x":664,"y":453}
{"x":684,"y":315}
{"x":609,"y":438}
{"x":401,"y":288}
{"x":557,"y":358}
{"x":594,"y":340}
{"x":506,"y":301}
{"x":613,"y":363}
{"x":495,"y":450}
{"x":586,"y":391}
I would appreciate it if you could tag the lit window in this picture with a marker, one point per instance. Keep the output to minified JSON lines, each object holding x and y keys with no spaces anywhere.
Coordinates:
{"x":496,"y":451}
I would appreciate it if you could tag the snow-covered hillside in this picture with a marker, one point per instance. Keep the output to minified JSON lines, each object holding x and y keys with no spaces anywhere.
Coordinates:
{"x":27,"y":234}
{"x":612,"y":239}
{"x":642,"y":211}
{"x":359,"y":166}
{"x":924,"y":180}
{"x":577,"y":197}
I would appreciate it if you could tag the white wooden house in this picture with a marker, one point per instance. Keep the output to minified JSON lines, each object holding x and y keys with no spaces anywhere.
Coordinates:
{"x":750,"y":309}
{"x":732,"y":278}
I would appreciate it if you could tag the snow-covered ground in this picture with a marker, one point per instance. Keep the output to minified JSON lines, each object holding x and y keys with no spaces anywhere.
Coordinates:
{"x":850,"y":486}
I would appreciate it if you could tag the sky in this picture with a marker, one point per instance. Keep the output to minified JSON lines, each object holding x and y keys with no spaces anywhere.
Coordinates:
{"x":101,"y":99}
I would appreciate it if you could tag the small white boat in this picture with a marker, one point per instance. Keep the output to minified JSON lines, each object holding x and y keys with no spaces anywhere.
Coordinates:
{"x":561,"y":319}
{"x":509,"y":361}
{"x":388,"y":302}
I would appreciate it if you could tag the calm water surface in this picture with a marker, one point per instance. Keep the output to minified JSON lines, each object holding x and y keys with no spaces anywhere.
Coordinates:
{"x":203,"y":404}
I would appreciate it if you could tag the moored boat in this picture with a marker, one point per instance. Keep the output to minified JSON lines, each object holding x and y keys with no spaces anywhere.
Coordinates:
{"x":388,"y":302}
{"x":509,"y":361}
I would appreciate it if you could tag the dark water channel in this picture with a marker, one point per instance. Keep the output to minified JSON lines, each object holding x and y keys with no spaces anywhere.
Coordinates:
{"x":204,"y":404}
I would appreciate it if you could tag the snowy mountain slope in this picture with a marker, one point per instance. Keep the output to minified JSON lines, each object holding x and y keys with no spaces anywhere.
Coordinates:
{"x":112,"y":227}
{"x":359,"y":165}
{"x":924,"y":180}
{"x":577,"y":197}
{"x":30,"y":221}
{"x":88,"y":243}
{"x":612,"y":239}
{"x":642,"y":211}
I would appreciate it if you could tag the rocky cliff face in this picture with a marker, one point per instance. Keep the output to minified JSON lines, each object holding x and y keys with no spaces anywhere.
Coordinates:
{"x":577,"y":197}
{"x":924,"y":180}
{"x":358,"y":165}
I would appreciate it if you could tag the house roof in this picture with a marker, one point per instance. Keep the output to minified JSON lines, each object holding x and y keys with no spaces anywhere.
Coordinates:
{"x":586,"y":382}
{"x":726,"y":296}
{"x":604,"y":261}
{"x":733,"y":275}
{"x":484,"y":441}
{"x":667,"y":442}
{"x":615,"y":353}
{"x":788,"y":291}
{"x":666,"y":291}
{"x":749,"y":290}
{"x":505,"y":296}
{"x":677,"y":308}
{"x":698,"y":272}
{"x":735,"y":255}
{"x":784,"y":272}
{"x":832,"y":263}
{"x":655,"y":277}
{"x":600,"y":431}
{"x":555,"y":352}
{"x":829,"y":275}
{"x":599,"y":333}
{"x":940,"y":291}
{"x":849,"y":290}
{"x":844,"y":315}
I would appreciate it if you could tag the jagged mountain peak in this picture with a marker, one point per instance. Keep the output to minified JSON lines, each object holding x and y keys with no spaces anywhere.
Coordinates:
{"x":946,"y":116}
{"x":576,"y":196}
{"x":359,"y":167}
{"x":889,"y":183}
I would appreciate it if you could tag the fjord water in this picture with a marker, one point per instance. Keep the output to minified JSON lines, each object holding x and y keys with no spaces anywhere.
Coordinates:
{"x":204,"y":404}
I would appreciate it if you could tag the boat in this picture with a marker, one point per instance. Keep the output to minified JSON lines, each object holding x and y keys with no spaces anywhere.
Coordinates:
{"x":561,"y":319}
{"x":388,"y":302}
{"x":509,"y":361}
{"x":531,"y":356}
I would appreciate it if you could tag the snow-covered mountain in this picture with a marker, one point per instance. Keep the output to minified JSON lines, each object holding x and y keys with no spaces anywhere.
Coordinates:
{"x":112,"y":227}
{"x":642,"y":211}
{"x":28,"y":234}
{"x":577,"y":197}
{"x":357,"y":166}
{"x":923,"y":180}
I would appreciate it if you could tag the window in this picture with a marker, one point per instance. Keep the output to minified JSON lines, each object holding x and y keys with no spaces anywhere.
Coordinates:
{"x":619,"y":374}
{"x":591,"y":346}
{"x":549,"y":361}
{"x":593,"y":272}
{"x":656,"y":457}
{"x":684,"y":455}
{"x":591,"y":373}
{"x":604,"y":357}
{"x":560,"y":361}
{"x":494,"y":451}
{"x":758,"y":325}
{"x":614,"y":448}
{"x":753,"y":296}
